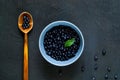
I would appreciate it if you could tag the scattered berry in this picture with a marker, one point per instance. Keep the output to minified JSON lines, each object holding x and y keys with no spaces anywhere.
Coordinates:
{"x":103,"y":52}
{"x":106,"y":76}
{"x":95,"y":67}
{"x":115,"y":77}
{"x":108,"y":69}
{"x":83,"y":68}
{"x":93,"y":78}
{"x":95,"y":58}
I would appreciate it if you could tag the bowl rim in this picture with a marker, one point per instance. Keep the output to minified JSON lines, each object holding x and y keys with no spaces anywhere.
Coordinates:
{"x":41,"y":46}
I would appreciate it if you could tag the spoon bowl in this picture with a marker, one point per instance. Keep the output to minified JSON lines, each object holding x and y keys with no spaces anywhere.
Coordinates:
{"x":20,"y":22}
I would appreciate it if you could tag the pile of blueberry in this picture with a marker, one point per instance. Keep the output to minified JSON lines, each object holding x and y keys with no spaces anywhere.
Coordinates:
{"x":26,"y":22}
{"x":55,"y":39}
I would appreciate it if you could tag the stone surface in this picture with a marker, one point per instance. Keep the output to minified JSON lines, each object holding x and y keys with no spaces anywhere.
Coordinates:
{"x":99,"y":21}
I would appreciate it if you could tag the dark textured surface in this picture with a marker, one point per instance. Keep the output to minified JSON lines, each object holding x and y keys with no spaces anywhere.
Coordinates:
{"x":99,"y":20}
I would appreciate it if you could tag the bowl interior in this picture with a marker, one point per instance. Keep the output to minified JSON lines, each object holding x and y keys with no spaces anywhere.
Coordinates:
{"x":51,"y":60}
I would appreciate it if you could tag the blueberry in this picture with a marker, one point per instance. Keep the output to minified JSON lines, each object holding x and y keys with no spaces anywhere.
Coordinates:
{"x":45,"y":47}
{"x":93,"y":78}
{"x":106,"y":76}
{"x":95,"y":58}
{"x":52,"y":55}
{"x":58,"y":38}
{"x":54,"y":46}
{"x":54,"y":32}
{"x":115,"y":76}
{"x":75,"y":47}
{"x":66,"y":57}
{"x":24,"y":17}
{"x":103,"y":52}
{"x":53,"y":52}
{"x":62,"y":48}
{"x":69,"y":52}
{"x":58,"y":53}
{"x":28,"y":25}
{"x":49,"y":43}
{"x":23,"y":25}
{"x":62,"y":30}
{"x":61,"y":59}
{"x":83,"y":68}
{"x":49,"y":53}
{"x":49,"y":46}
{"x":73,"y":52}
{"x":51,"y":36}
{"x":95,"y":67}
{"x":108,"y":69}
{"x":27,"y":19}
{"x":69,"y":55}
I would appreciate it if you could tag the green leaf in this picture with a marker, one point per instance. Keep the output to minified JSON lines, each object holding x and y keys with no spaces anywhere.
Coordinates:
{"x":69,"y":42}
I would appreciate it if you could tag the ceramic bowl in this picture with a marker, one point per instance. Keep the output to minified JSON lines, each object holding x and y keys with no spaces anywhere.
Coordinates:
{"x":51,"y":60}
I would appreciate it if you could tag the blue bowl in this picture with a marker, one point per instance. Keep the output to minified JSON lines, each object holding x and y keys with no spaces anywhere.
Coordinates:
{"x":51,"y":60}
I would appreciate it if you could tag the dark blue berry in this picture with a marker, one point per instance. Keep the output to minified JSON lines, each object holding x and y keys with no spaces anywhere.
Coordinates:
{"x":95,"y":58}
{"x":62,"y":48}
{"x":27,"y":19}
{"x":24,"y":17}
{"x":83,"y":68}
{"x":93,"y":78}
{"x":106,"y":76}
{"x":115,"y":76}
{"x":49,"y":53}
{"x":108,"y":69}
{"x":95,"y":66}
{"x":103,"y":52}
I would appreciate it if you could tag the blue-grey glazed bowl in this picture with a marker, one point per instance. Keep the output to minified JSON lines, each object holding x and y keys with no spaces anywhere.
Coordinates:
{"x":51,"y":60}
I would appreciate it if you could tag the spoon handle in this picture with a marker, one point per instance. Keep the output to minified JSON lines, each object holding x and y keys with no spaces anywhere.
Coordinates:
{"x":25,"y":72}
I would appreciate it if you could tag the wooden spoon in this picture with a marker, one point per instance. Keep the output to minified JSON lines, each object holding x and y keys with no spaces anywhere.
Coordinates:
{"x":25,"y":31}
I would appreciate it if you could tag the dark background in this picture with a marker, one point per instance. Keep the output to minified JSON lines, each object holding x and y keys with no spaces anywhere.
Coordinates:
{"x":99,"y":21}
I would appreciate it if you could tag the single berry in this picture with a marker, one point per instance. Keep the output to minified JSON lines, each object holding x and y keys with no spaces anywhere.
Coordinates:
{"x":93,"y":78}
{"x":95,"y":58}
{"x":95,"y":67}
{"x":83,"y":68}
{"x":49,"y":53}
{"x":24,"y":17}
{"x":27,"y":19}
{"x":108,"y":69}
{"x":115,"y":76}
{"x":106,"y":76}
{"x":103,"y":52}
